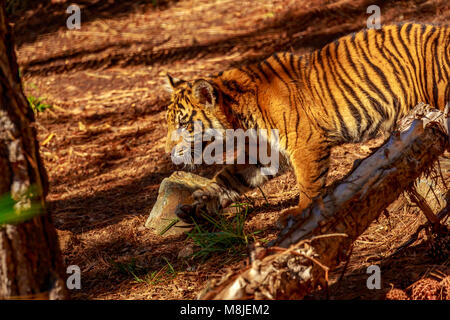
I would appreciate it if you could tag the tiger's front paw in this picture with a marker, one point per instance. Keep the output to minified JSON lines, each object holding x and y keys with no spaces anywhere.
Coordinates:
{"x":185,"y":212}
{"x":210,"y":200}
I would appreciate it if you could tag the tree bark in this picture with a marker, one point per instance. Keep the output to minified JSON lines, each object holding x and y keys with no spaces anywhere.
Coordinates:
{"x":30,"y":260}
{"x":320,"y":238}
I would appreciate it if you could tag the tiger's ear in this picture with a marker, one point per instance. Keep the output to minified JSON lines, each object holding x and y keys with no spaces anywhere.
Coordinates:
{"x":171,"y":83}
{"x":204,"y":93}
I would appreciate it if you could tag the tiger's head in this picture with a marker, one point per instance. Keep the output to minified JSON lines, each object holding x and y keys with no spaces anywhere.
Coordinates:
{"x":195,"y":107}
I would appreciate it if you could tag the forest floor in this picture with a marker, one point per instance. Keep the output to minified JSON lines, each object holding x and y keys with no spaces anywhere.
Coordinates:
{"x":103,"y":140}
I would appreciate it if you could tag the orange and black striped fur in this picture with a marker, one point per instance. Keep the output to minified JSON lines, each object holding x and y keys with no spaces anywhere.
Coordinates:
{"x":348,"y":91}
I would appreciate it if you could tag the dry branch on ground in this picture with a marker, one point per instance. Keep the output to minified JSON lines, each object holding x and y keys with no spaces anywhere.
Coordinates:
{"x":320,"y":238}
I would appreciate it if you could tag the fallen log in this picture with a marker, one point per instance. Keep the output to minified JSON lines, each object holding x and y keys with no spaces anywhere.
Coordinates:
{"x":298,"y":261}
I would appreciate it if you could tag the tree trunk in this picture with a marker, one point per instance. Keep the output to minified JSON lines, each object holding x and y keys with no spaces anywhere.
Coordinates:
{"x":30,"y":259}
{"x":320,"y":238}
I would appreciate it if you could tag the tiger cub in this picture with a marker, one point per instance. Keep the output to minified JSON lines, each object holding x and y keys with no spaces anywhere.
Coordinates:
{"x":348,"y":91}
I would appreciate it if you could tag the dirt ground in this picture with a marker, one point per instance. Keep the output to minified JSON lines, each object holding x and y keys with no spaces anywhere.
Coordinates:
{"x":103,"y":140}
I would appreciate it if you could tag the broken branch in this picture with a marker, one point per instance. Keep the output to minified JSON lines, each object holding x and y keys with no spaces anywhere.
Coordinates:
{"x":347,"y":208}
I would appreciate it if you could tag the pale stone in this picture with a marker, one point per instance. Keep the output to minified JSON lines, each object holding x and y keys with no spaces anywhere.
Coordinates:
{"x":174,"y":190}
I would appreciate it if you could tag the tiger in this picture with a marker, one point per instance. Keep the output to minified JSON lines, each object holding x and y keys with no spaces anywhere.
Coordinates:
{"x":348,"y":91}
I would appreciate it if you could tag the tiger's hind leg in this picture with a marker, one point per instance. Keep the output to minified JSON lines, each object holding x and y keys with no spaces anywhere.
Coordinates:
{"x":311,"y":169}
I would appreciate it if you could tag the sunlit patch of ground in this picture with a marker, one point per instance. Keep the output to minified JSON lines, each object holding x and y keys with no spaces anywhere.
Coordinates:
{"x":103,"y":140}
